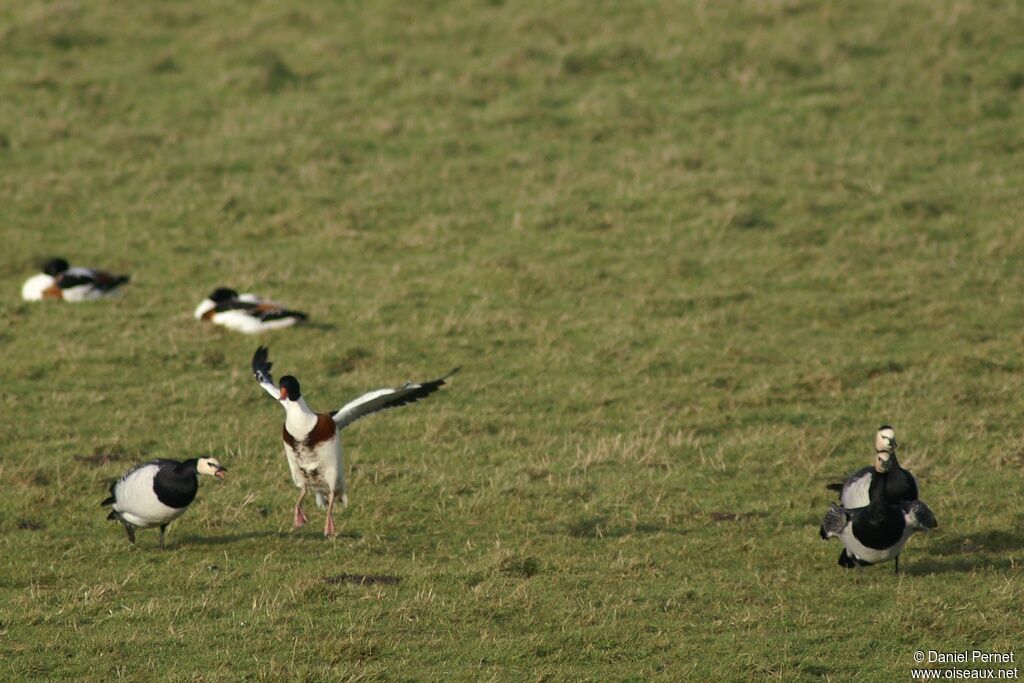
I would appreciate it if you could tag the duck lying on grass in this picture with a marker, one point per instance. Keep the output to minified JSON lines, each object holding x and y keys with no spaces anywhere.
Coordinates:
{"x":61,"y":282}
{"x":245,"y":313}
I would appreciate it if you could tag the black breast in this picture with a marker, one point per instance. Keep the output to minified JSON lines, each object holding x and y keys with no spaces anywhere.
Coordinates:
{"x":175,"y":489}
{"x":897,"y":485}
{"x":901,"y":487}
{"x":879,"y":526}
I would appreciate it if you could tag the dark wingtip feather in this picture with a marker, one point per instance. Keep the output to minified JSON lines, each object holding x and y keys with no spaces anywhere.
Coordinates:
{"x":108,"y":501}
{"x":283,"y":314}
{"x":834,"y":487}
{"x":259,"y":360}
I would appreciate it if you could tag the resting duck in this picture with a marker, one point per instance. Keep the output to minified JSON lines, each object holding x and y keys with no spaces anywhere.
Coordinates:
{"x":158,"y":492}
{"x":60,"y":281}
{"x":901,"y":486}
{"x":875,"y":533}
{"x":246,"y":313}
{"x":312,"y":442}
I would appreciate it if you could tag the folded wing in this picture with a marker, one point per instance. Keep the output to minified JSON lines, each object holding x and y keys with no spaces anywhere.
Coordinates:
{"x":835,"y":521}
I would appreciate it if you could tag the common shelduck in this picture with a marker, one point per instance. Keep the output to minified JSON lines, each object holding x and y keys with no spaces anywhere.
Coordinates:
{"x":158,"y":492}
{"x":312,"y":442}
{"x":246,"y":313}
{"x":60,"y":281}
{"x":901,"y":486}
{"x":875,"y":533}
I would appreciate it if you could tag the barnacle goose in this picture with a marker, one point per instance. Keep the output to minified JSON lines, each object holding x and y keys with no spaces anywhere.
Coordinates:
{"x":901,"y":486}
{"x":157,"y":492}
{"x":877,"y":532}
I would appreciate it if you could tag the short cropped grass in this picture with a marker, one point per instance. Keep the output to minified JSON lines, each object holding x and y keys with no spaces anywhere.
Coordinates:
{"x":689,"y":255}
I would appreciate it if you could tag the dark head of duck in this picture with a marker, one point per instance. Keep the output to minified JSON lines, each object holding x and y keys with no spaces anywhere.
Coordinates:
{"x":290,"y":389}
{"x":55,"y":267}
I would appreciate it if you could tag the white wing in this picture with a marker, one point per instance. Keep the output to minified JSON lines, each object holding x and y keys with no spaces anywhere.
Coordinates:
{"x":382,"y":399}
{"x":855,"y":493}
{"x":261,"y":369}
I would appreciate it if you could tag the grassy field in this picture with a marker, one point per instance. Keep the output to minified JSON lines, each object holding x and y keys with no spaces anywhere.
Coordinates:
{"x":689,"y":255}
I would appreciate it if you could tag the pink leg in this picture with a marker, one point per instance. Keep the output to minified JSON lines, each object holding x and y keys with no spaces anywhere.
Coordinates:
{"x":329,"y":524}
{"x":300,"y":518}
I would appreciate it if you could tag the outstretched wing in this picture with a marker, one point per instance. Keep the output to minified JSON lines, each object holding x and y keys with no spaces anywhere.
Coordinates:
{"x":261,"y":369}
{"x":382,"y":399}
{"x":834,"y":522}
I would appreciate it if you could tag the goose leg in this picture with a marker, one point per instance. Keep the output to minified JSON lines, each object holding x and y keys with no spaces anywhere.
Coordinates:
{"x":329,"y":524}
{"x":300,"y":517}
{"x":897,"y":565}
{"x":130,"y":531}
{"x":163,"y":530}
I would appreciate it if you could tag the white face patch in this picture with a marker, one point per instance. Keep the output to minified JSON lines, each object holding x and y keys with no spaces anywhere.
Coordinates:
{"x":885,"y":439}
{"x":882,"y":462}
{"x":208,"y":466}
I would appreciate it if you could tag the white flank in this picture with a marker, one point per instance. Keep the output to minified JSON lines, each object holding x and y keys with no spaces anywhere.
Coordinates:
{"x":34,"y":287}
{"x":135,"y":499}
{"x":203,"y":308}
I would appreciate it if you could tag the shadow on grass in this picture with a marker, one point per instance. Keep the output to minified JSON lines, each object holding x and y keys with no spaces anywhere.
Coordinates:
{"x":599,"y":527}
{"x":985,"y":542}
{"x":956,"y":565}
{"x":310,"y":535}
{"x":322,"y":326}
{"x":985,"y":550}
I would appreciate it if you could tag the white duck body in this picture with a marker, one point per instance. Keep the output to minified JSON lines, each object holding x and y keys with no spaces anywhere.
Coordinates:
{"x":87,"y":291}
{"x":246,"y":313}
{"x":62,"y":282}
{"x":311,"y":441}
{"x":312,"y":445}
{"x":35,"y":287}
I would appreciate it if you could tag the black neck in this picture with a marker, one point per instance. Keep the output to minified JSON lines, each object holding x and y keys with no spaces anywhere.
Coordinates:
{"x":176,"y":486}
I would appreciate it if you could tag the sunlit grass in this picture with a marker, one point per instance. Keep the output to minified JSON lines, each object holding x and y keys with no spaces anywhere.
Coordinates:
{"x":690,"y":256}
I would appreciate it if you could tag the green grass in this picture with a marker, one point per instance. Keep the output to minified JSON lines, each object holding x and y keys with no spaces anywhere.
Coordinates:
{"x":690,"y":256}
